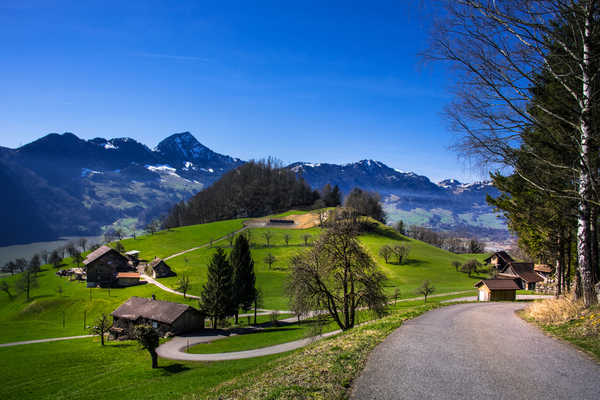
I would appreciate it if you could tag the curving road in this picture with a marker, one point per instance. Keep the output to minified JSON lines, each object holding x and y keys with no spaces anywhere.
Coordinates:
{"x":476,"y":351}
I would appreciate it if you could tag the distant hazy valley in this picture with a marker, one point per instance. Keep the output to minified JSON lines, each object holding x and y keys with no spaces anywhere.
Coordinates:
{"x":61,"y":185}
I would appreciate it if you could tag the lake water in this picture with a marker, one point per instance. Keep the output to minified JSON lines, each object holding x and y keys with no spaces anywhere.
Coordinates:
{"x":8,"y":253}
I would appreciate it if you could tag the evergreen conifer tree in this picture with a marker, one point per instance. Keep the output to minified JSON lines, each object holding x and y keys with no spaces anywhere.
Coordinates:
{"x":244,"y":279}
{"x":217,"y":299}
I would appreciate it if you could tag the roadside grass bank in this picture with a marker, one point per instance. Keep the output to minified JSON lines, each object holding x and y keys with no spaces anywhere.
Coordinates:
{"x":568,"y":320}
{"x":287,"y":332}
{"x":323,"y":370}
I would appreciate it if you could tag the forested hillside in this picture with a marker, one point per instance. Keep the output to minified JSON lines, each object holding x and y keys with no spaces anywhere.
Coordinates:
{"x":255,"y":189}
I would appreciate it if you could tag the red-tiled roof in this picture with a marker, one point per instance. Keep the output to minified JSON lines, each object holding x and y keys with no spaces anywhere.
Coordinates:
{"x":498,"y":284}
{"x":128,"y":275}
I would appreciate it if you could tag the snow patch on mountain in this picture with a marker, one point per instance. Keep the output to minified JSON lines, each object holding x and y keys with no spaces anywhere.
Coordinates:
{"x":89,"y":172}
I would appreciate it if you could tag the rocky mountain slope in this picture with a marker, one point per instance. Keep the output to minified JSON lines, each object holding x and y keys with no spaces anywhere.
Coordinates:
{"x":447,"y":205}
{"x":61,"y":185}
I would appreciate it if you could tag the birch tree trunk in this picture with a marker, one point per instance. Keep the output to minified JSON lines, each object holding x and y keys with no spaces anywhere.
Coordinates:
{"x":584,"y":235}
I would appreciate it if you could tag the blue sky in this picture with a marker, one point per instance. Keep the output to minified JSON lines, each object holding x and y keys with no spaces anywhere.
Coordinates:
{"x":295,"y":80}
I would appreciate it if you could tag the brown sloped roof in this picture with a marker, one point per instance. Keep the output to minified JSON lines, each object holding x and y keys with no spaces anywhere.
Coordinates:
{"x":542,"y":268}
{"x":155,"y":310}
{"x":501,"y":254}
{"x":525,"y":271}
{"x":96,"y":254}
{"x":498,"y":284}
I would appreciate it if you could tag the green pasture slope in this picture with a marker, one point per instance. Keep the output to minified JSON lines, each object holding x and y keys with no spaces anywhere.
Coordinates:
{"x":43,"y":316}
{"x":82,"y":369}
{"x":424,"y":262}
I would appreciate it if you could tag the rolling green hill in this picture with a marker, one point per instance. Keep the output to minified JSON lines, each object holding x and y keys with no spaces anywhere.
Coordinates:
{"x":43,"y":316}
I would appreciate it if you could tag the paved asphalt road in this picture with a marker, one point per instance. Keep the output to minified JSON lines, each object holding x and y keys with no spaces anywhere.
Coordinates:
{"x":476,"y":351}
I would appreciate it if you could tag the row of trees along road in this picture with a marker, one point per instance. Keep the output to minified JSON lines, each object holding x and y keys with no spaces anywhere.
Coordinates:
{"x":527,"y":105}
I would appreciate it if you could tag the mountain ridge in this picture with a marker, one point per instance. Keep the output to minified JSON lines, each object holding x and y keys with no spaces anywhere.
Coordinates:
{"x":80,"y":187}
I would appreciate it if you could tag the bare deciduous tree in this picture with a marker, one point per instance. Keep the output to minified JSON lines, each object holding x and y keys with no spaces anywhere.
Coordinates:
{"x":270,"y":259}
{"x":386,"y":252}
{"x":101,"y":327}
{"x":337,"y":275}
{"x":426,"y":289}
{"x":306,"y":239}
{"x":149,"y":339}
{"x":268,"y":235}
{"x":183,"y":284}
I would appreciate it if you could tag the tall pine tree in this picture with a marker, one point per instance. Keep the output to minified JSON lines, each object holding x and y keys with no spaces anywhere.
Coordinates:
{"x":216,"y":300}
{"x":244,"y":279}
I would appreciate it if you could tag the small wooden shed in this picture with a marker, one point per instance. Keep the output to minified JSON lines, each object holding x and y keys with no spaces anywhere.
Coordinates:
{"x":497,"y":290}
{"x":158,"y":268}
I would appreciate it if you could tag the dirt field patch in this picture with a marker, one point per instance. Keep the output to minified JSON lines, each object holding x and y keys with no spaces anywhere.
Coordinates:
{"x":301,"y":221}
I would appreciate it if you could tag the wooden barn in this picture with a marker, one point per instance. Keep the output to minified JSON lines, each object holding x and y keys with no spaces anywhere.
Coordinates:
{"x":497,"y":290}
{"x":164,"y":316}
{"x":499,"y":260}
{"x":158,"y":268}
{"x":103,"y":265}
{"x":523,"y":274}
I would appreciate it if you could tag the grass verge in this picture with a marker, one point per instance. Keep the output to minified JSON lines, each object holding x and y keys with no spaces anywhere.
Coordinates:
{"x":569,"y":320}
{"x":323,"y":370}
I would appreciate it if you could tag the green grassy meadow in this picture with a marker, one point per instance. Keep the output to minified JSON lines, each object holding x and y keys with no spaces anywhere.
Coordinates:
{"x":43,"y":316}
{"x":82,"y":369}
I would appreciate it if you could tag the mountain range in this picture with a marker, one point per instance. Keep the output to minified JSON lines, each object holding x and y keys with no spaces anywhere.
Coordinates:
{"x":62,"y":185}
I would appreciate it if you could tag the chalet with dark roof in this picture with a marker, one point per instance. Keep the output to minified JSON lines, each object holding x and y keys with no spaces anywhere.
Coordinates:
{"x":499,"y":259}
{"x":497,"y":290}
{"x":523,"y":274}
{"x":164,"y":316}
{"x":102,"y":266}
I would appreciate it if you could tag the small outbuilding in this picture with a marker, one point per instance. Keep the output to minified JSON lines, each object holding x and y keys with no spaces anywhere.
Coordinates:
{"x":125,"y":279}
{"x":497,"y":290}
{"x":158,"y":268}
{"x":164,"y":316}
